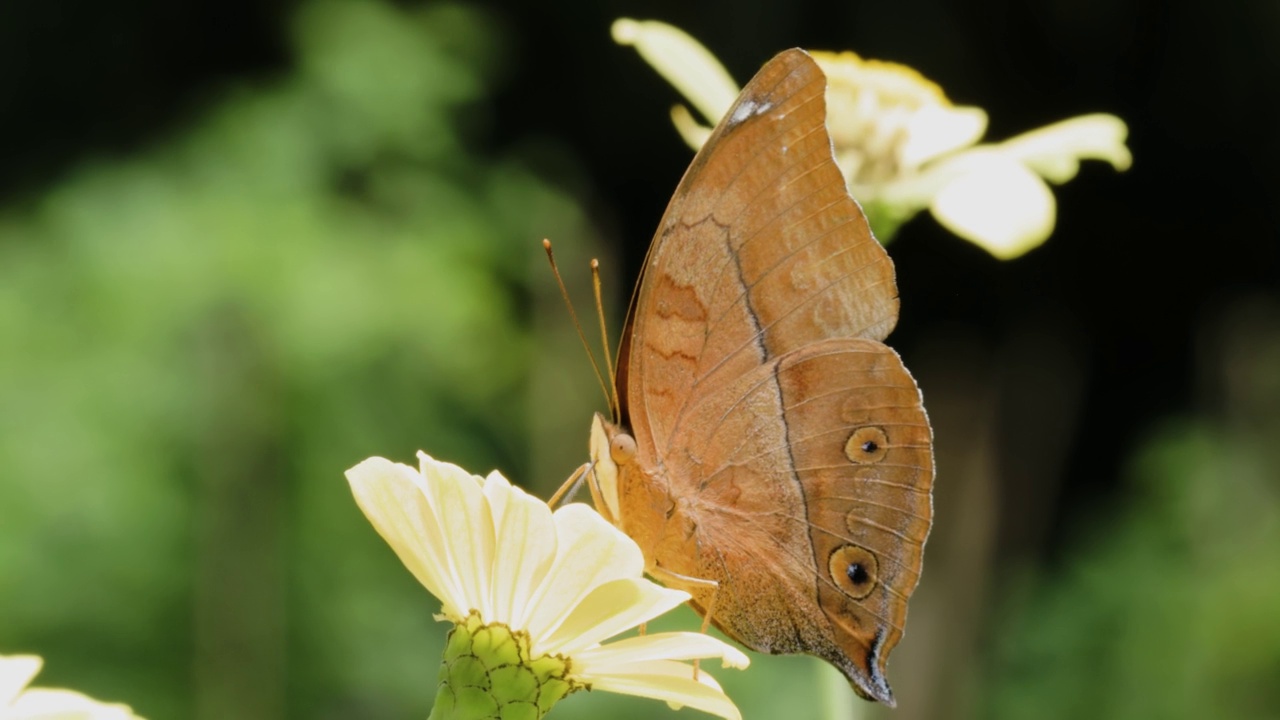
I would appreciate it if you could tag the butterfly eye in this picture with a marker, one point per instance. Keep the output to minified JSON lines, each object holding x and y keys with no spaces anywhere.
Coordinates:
{"x":622,"y":448}
{"x":854,"y":570}
{"x":867,"y":445}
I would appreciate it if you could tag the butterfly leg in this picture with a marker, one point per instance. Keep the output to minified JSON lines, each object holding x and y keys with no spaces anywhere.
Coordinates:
{"x":570,"y":486}
{"x":687,"y":582}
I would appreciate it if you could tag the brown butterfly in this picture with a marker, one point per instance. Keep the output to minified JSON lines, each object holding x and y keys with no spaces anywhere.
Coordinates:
{"x":769,"y":454}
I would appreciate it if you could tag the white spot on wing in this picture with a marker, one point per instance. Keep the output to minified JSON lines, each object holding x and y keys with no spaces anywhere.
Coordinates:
{"x":746,"y":109}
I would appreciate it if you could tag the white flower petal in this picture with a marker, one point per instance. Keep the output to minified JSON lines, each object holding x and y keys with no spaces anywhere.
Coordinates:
{"x":16,"y":672}
{"x":694,"y":134}
{"x":998,"y":204}
{"x":395,"y":499}
{"x":610,"y":609}
{"x":589,"y":553}
{"x":661,"y":646}
{"x":672,"y":682}
{"x":936,"y":130}
{"x":1055,"y":151}
{"x":526,"y":547}
{"x":46,"y":704}
{"x":683,"y":61}
{"x":468,"y":526}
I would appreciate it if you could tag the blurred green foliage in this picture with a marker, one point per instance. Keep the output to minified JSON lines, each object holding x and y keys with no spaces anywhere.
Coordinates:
{"x":198,"y":340}
{"x":1173,"y":609}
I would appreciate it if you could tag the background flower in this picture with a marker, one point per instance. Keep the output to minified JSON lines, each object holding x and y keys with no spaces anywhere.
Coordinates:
{"x":903,"y":146}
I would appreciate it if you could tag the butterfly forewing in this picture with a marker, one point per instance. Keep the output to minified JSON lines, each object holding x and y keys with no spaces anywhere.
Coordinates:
{"x":761,"y":251}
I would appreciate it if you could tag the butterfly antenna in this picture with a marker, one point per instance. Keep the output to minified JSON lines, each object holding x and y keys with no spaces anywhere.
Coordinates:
{"x":564,"y":293}
{"x":604,"y":339}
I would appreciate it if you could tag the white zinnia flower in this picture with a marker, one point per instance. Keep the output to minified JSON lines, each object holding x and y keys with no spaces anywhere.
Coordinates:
{"x":19,"y":702}
{"x":903,"y":146}
{"x":563,"y":582}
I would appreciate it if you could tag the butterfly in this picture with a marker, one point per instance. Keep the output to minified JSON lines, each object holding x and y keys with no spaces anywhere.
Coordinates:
{"x":768,"y":453}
